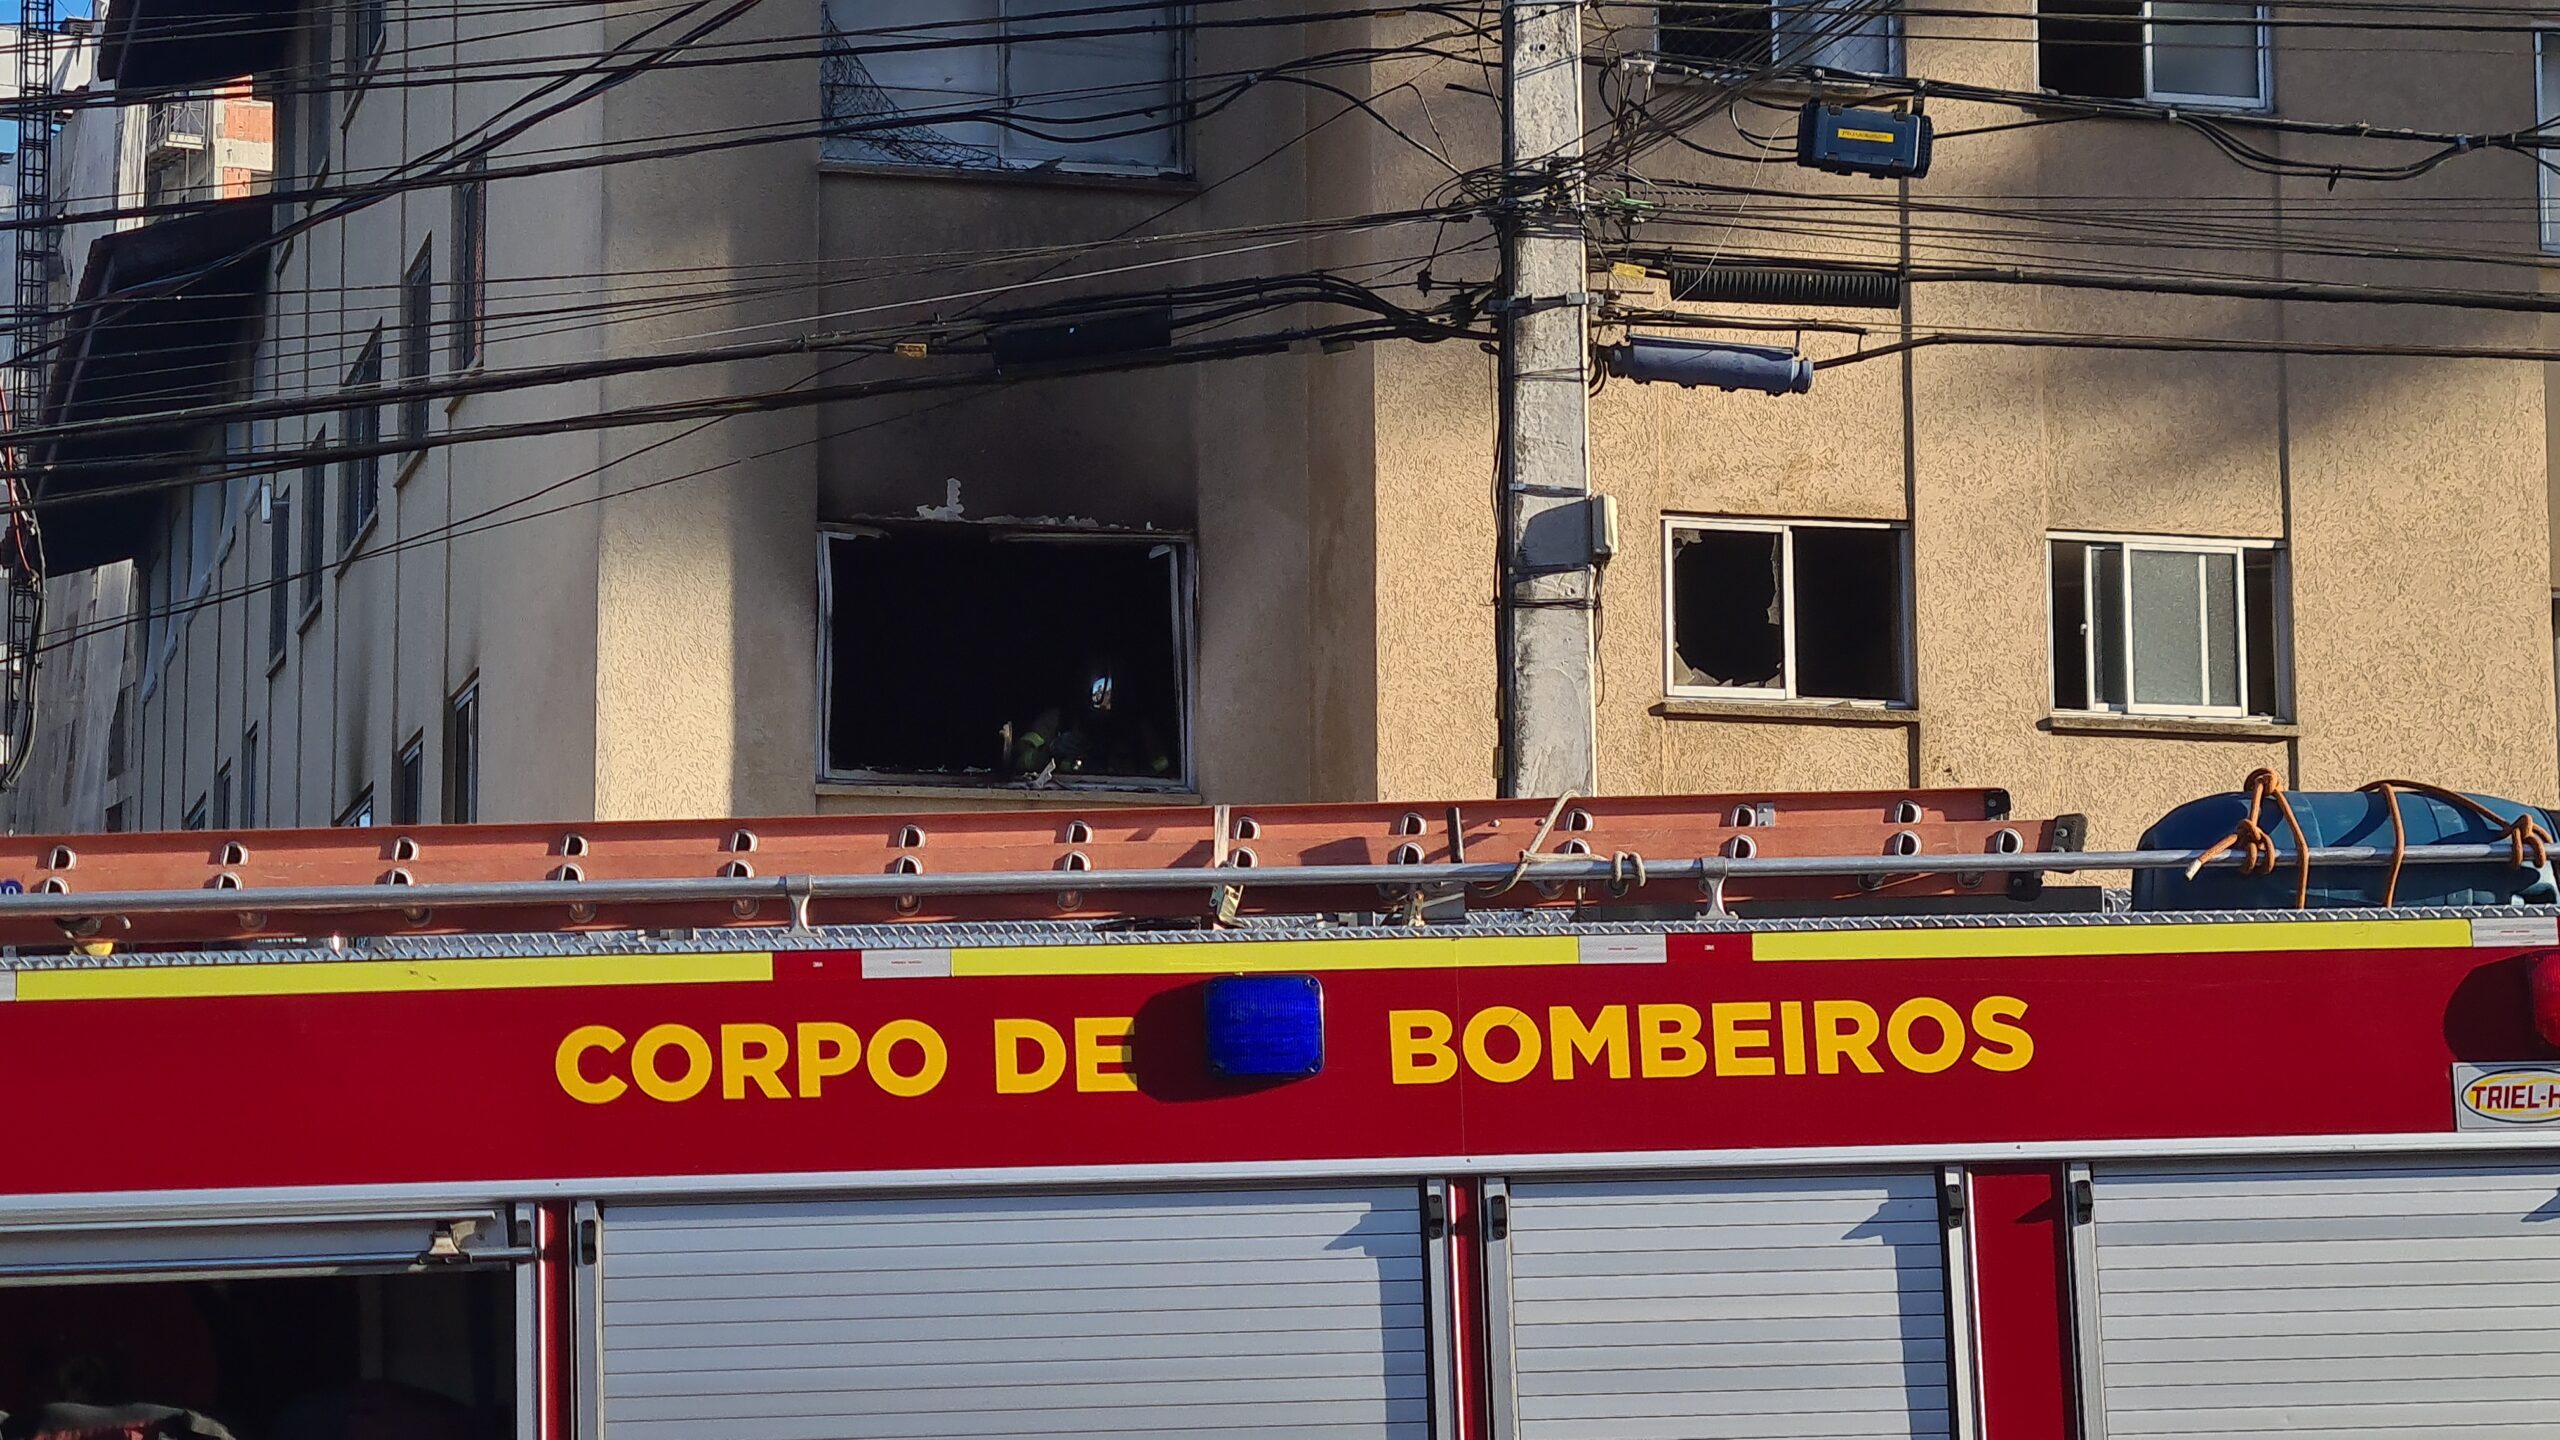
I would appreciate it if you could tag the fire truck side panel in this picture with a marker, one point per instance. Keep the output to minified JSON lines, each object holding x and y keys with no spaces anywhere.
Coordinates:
{"x":834,"y":1194}
{"x":1759,"y":1308}
{"x":794,"y":1063}
{"x":1299,"y":1314}
{"x":2325,"y":1302}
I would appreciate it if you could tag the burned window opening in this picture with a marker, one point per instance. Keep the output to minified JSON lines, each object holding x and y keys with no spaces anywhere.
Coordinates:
{"x":1728,"y":626}
{"x":1848,"y":614}
{"x":1813,"y":612}
{"x":1006,"y":657}
{"x":1718,"y":34}
{"x":2091,"y":47}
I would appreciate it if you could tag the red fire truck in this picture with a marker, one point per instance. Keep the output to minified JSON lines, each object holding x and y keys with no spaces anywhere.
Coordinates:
{"x":1661,"y":1119}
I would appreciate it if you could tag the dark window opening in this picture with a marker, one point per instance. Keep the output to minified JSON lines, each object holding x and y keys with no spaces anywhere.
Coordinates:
{"x":359,"y":813}
{"x":1717,"y":33}
{"x":1014,"y":657}
{"x":1728,"y":620}
{"x":419,"y":1357}
{"x":115,"y":818}
{"x":2091,"y":47}
{"x":2258,"y":584}
{"x":2070,"y":627}
{"x":417,"y":335}
{"x":195,"y":818}
{"x":360,"y":473}
{"x":366,"y":23}
{"x":315,"y":543}
{"x":470,"y":262}
{"x":279,"y":573}
{"x":319,"y":110}
{"x":1848,"y":588}
{"x":462,"y":757}
{"x":250,"y":795}
{"x":409,"y":783}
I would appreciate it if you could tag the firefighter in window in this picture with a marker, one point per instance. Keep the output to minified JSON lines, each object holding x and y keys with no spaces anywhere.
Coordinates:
{"x":1091,"y":735}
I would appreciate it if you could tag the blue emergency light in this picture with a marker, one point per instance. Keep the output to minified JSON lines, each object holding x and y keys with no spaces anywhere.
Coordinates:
{"x":1863,"y":142}
{"x":1264,"y":1027}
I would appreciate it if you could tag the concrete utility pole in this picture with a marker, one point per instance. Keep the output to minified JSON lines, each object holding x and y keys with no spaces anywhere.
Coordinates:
{"x":1548,"y":584}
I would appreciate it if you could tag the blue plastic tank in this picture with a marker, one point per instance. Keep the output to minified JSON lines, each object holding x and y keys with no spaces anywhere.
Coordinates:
{"x":2354,"y":817}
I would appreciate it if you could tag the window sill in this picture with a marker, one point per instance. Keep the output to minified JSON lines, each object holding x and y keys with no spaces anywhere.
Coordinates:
{"x":1799,"y":712}
{"x":2192,"y":727}
{"x":348,"y":552}
{"x":1100,"y":794}
{"x":310,"y":613}
{"x":471,"y":369}
{"x":409,"y":464}
{"x":275,"y":661}
{"x":2058,"y":102}
{"x":1170,"y":182}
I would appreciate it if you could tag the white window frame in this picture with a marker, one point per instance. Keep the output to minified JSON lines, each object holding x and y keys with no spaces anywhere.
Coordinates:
{"x":1897,"y":60}
{"x":1180,"y":164}
{"x":2153,"y":94}
{"x":1185,"y":599}
{"x":1786,"y":689}
{"x":2266,"y":96}
{"x":2546,"y":51}
{"x":2281,"y":690}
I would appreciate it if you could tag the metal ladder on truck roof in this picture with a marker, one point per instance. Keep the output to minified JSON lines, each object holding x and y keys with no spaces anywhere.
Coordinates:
{"x":1207,"y":865}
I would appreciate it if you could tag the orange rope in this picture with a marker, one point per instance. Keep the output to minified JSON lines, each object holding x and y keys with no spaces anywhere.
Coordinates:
{"x":2258,"y":848}
{"x":2532,"y":843}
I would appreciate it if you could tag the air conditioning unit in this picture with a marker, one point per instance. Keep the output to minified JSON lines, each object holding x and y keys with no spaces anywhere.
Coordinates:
{"x":178,"y":125}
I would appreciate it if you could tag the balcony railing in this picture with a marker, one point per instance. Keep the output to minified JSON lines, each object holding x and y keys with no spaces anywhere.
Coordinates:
{"x":179,"y":125}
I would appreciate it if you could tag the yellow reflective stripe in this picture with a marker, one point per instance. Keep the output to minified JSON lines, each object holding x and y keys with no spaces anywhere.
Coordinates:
{"x":2100,"y":940}
{"x":1238,"y":957}
{"x":1877,"y":137}
{"x":382,"y":977}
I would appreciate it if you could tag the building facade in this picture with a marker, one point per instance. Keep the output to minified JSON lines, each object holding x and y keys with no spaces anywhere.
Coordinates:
{"x":702,"y":507}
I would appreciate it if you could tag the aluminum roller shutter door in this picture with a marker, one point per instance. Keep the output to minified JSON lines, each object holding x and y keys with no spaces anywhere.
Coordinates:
{"x":1731,"y":1308}
{"x":1279,"y":1313}
{"x":2365,"y":1303}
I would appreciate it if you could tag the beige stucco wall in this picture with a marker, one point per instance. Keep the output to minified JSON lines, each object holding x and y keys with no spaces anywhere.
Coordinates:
{"x":2411,"y":495}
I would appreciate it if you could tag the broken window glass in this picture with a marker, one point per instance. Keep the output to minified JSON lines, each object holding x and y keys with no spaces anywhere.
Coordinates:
{"x":1790,"y":611}
{"x":1728,"y":612}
